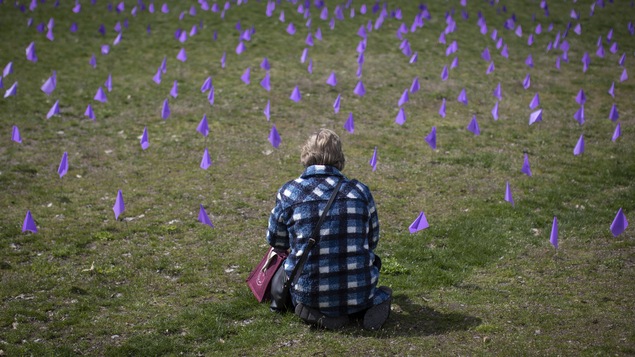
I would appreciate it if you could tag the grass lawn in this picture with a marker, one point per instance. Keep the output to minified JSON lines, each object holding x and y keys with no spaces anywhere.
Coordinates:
{"x":483,"y":279}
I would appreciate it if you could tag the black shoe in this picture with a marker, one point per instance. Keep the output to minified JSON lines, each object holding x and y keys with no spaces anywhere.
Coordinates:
{"x":315,"y":317}
{"x":376,"y":316}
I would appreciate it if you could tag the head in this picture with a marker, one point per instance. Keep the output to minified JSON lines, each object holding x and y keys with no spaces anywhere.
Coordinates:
{"x":323,"y":148}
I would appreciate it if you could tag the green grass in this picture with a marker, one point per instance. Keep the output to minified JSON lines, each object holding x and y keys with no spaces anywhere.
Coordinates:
{"x":481,"y":280}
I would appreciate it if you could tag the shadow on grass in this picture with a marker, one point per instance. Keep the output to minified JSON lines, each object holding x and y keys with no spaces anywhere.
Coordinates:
{"x":408,"y":319}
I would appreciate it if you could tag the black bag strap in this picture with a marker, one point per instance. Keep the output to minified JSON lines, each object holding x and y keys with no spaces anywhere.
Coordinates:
{"x":315,"y":237}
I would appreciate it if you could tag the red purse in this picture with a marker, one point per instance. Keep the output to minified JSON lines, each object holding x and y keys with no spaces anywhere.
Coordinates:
{"x":259,"y":280}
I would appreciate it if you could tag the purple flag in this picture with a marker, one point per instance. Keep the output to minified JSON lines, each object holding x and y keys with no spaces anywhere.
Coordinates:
{"x":529,"y":61}
{"x":165,"y":109}
{"x":613,"y":47}
{"x":624,"y":76}
{"x":359,"y":89}
{"x":526,"y":169}
{"x":498,"y":92}
{"x":174,"y":92}
{"x":580,"y":98}
{"x":485,"y":55}
{"x":108,"y":83}
{"x":211,"y":95}
{"x":204,"y":218}
{"x":63,"y":168}
{"x":29,"y":223}
{"x":490,"y":68}
{"x":554,"y":233}
{"x":579,"y":115}
{"x":535,"y":102}
{"x":431,"y":138}
{"x":455,"y":63}
{"x":401,"y":117}
{"x":55,"y":110}
{"x":473,"y":126}
{"x":202,"y":127}
{"x":119,"y":206}
{"x":622,"y":59}
{"x":157,"y":77}
{"x":350,"y":124}
{"x":291,"y":28}
{"x":266,"y":82}
{"x":495,"y":111}
{"x":444,"y":73}
{"x":535,"y":116}
{"x":414,"y":87}
{"x":600,"y":51}
{"x":296,"y":96}
{"x":617,"y":132}
{"x":508,"y":194}
{"x":274,"y":137}
{"x":145,"y":143}
{"x":336,"y":103}
{"x":12,"y":91}
{"x":579,"y":146}
{"x":246,"y":76}
{"x":420,"y":223}
{"x":442,"y":109}
{"x":207,"y":85}
{"x":309,"y":68}
{"x":332,"y":80}
{"x":505,"y":51}
{"x":267,"y":110}
{"x":404,"y":98}
{"x":49,"y":86}
{"x":164,"y":8}
{"x":265,"y":64}
{"x":619,"y":223}
{"x":206,"y":161}
{"x":8,"y":69}
{"x":30,"y":52}
{"x":182,"y":56}
{"x":305,"y":53}
{"x":527,"y":81}
{"x":612,"y":90}
{"x":100,"y":96}
{"x":462,"y":98}
{"x":519,"y":31}
{"x":89,"y":112}
{"x":105,"y":49}
{"x":614,"y":114}
{"x":15,"y":135}
{"x":373,"y":160}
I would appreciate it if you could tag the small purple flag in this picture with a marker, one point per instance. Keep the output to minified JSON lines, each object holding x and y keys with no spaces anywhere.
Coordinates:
{"x":444,"y":73}
{"x":505,"y":51}
{"x":617,"y":132}
{"x":309,"y":68}
{"x":414,"y":87}
{"x":105,"y":49}
{"x":336,"y":103}
{"x":8,"y":69}
{"x":373,"y":160}
{"x":401,"y":117}
{"x":157,"y":77}
{"x":89,"y":112}
{"x":15,"y":135}
{"x":30,"y":52}
{"x":526,"y":169}
{"x":619,"y":223}
{"x":485,"y":55}
{"x":359,"y":89}
{"x":108,"y":83}
{"x":145,"y":143}
{"x":207,"y":85}
{"x":490,"y":68}
{"x":55,"y":110}
{"x":554,"y":233}
{"x":119,"y":206}
{"x":579,"y":146}
{"x":535,"y":102}
{"x":265,"y":64}
{"x":267,"y":110}
{"x":431,"y":138}
{"x":296,"y":96}
{"x":63,"y":168}
{"x":291,"y":28}
{"x":612,"y":90}
{"x":165,"y":109}
{"x":495,"y":111}
{"x":206,"y":161}
{"x":202,"y":127}
{"x":266,"y":82}
{"x":211,"y":95}
{"x":49,"y":86}
{"x":579,"y":115}
{"x":12,"y":91}
{"x":529,"y":61}
{"x":614,"y":114}
{"x":455,"y":63}
{"x":182,"y":56}
{"x":624,"y":76}
{"x":332,"y":80}
{"x":304,"y":55}
{"x":404,"y":98}
{"x":420,"y":223}
{"x":473,"y":126}
{"x":246,"y":76}
{"x":498,"y":92}
{"x":580,"y":98}
{"x":204,"y":218}
{"x":274,"y":137}
{"x":174,"y":92}
{"x":508,"y":194}
{"x":350,"y":124}
{"x":527,"y":81}
{"x":29,"y":223}
{"x":462,"y":98}
{"x":442,"y":109}
{"x":100,"y":96}
{"x":535,"y":116}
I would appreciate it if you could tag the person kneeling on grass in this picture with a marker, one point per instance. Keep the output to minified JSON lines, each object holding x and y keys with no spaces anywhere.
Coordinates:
{"x":340,"y":277}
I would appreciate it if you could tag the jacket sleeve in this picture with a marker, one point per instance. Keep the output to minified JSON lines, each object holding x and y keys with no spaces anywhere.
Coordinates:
{"x":373,"y":223}
{"x":277,"y":233}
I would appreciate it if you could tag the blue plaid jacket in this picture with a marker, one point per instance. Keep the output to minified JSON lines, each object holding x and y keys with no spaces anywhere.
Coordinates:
{"x":339,"y":276}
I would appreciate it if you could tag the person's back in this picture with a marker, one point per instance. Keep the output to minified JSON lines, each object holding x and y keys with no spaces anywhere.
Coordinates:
{"x":341,"y":273}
